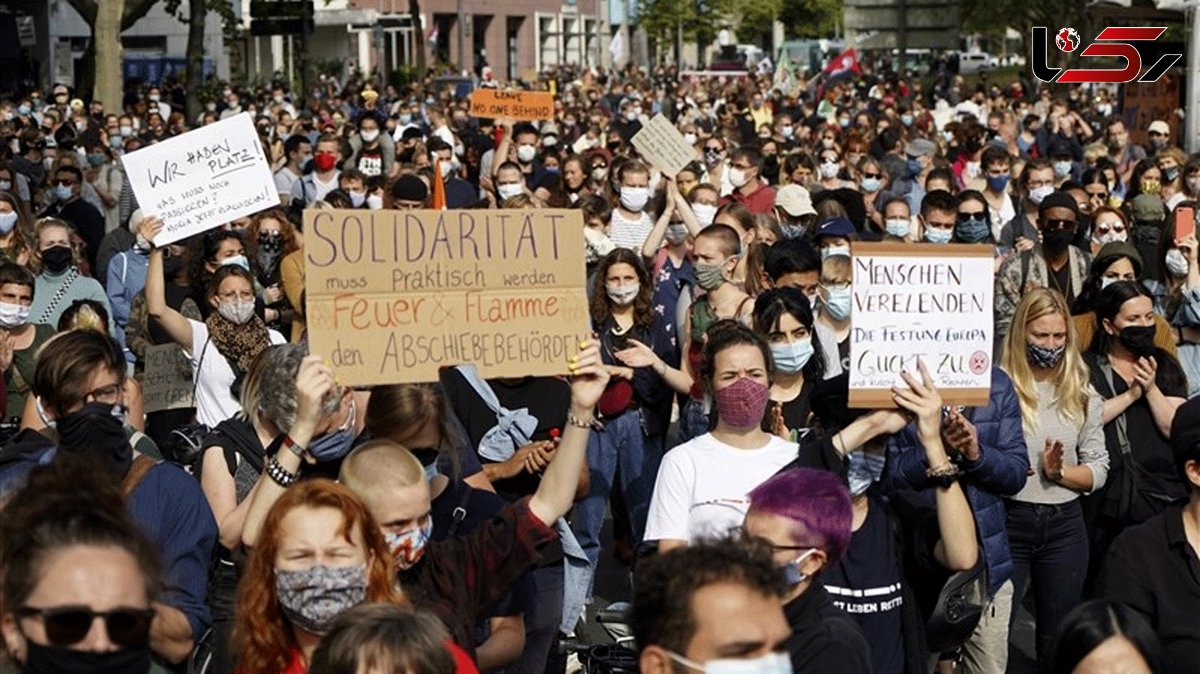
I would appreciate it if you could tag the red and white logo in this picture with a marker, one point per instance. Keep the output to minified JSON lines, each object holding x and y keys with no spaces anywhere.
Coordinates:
{"x":1067,"y":40}
{"x":1121,"y":42}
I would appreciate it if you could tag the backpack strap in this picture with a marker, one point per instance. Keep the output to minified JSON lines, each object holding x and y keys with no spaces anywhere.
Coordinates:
{"x":1129,"y":488}
{"x":137,"y":472}
{"x":460,"y":512}
{"x":1024,"y":271}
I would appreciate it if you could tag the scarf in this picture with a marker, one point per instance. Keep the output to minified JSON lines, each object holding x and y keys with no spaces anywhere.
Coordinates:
{"x":238,"y":343}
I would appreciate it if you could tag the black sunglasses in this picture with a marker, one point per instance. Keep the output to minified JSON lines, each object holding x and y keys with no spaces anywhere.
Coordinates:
{"x":68,"y":625}
{"x":873,"y":175}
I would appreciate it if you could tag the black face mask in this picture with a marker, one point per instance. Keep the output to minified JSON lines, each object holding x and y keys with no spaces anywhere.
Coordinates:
{"x":59,"y":660}
{"x":56,"y":260}
{"x":98,"y":432}
{"x":1058,"y":240}
{"x":1139,"y":339}
{"x":171,"y":266}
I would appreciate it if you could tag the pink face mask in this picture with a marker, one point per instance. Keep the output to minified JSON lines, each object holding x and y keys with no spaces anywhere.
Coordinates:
{"x":743,"y":403}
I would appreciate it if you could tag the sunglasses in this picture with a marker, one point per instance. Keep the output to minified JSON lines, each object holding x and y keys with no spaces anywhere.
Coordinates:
{"x":68,"y":625}
{"x":1059,"y":225}
{"x":1106,"y":227}
{"x":68,"y":183}
{"x":873,"y":175}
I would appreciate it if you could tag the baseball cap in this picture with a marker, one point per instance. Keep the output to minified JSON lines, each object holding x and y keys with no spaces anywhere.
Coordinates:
{"x":1117,"y":249}
{"x":836,"y":227}
{"x":795,"y":200}
{"x":920,"y":147}
{"x":1159,"y":126}
{"x":1147,"y":207}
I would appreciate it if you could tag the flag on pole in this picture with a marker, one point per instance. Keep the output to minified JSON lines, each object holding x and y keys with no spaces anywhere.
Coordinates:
{"x":433,"y":34}
{"x":842,"y":67}
{"x":617,"y":47}
{"x":785,"y":79}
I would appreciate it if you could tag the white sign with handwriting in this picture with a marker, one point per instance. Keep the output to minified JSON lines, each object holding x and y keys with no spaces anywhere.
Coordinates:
{"x":203,"y":178}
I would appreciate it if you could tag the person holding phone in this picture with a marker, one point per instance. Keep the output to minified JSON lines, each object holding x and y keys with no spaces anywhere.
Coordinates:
{"x":1179,"y":275}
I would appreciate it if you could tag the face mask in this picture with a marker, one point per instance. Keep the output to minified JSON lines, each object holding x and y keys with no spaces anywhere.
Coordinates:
{"x":914,"y":167}
{"x":787,"y":131}
{"x":622,"y":295}
{"x":838,"y":304}
{"x":7,"y":222}
{"x":62,"y":660}
{"x":712,"y":157}
{"x":24,"y":110}
{"x":1062,"y":169}
{"x":599,"y":174}
{"x":630,"y":116}
{"x":1057,"y":240}
{"x":828,"y":170}
{"x":1158,"y":143}
{"x":239,"y":260}
{"x":1171,"y":174}
{"x":862,"y":470}
{"x":336,"y":444}
{"x":313,"y":598}
{"x":742,"y":404}
{"x":409,"y":546}
{"x":710,"y":276}
{"x":5,"y":185}
{"x":1176,"y":263}
{"x":97,"y":431}
{"x":1106,"y":281}
{"x":447,"y":167}
{"x":324,"y":161}
{"x":238,"y":311}
{"x":126,"y":130}
{"x":829,"y":252}
{"x":634,"y":198}
{"x":791,"y":357}
{"x":870,"y":185}
{"x":1042,"y":357}
{"x":998,"y":183}
{"x":369,"y":136}
{"x":791,"y":230}
{"x":792,"y":575}
{"x":705,"y":213}
{"x":510,"y":190}
{"x":405,"y":118}
{"x":1038,"y":193}
{"x":906,"y":120}
{"x":738,"y":177}
{"x":13,"y":316}
{"x":771,"y":663}
{"x":973,"y":230}
{"x":56,"y":260}
{"x":62,"y":192}
{"x":844,"y":123}
{"x":677,"y":234}
{"x":374,"y":202}
{"x":1151,"y":187}
{"x":526,"y":153}
{"x":1139,"y":339}
{"x":898,"y":226}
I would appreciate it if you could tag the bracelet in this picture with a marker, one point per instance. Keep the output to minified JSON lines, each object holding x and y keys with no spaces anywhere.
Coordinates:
{"x":588,"y":424}
{"x":280,"y":475}
{"x":946,"y":470}
{"x":294,"y":448}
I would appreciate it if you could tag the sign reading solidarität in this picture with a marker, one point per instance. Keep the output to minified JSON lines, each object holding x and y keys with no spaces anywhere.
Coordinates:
{"x":913,"y":301}
{"x":393,"y":296}
{"x":203,"y":178}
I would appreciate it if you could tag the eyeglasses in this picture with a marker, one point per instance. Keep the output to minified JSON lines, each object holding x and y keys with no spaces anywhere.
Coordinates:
{"x":964,"y":216}
{"x":68,"y":625}
{"x":873,"y":176}
{"x":1058,"y":225}
{"x":65,"y":181}
{"x":108,"y":395}
{"x":835,"y":285}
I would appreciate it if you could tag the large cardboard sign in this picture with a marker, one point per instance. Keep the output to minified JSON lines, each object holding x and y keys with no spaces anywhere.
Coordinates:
{"x":922,"y":301}
{"x":520,"y":105}
{"x":393,"y":296}
{"x":203,"y":178}
{"x":167,"y":382}
{"x":661,"y":144}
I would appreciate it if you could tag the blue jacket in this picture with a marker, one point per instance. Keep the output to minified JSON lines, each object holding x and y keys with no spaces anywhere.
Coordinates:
{"x":1001,"y":470}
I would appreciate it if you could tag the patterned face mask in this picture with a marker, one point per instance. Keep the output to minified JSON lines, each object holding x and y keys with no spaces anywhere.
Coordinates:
{"x":313,"y":598}
{"x":409,"y":546}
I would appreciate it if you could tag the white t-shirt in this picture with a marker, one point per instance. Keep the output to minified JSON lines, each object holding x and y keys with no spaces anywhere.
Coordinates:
{"x":627,"y":233}
{"x":703,"y":486}
{"x":284,"y":179}
{"x":213,"y":376}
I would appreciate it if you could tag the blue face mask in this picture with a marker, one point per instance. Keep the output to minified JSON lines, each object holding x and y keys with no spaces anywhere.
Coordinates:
{"x":791,"y":230}
{"x":837,"y":303}
{"x":792,"y":575}
{"x":997,"y":183}
{"x":862,"y":470}
{"x":975,"y":230}
{"x":239,"y":260}
{"x":337,"y":444}
{"x":1062,"y":169}
{"x":934,"y":235}
{"x":914,"y":167}
{"x":62,"y":192}
{"x":871,"y":184}
{"x":898,"y":226}
{"x":791,"y":357}
{"x":906,"y":120}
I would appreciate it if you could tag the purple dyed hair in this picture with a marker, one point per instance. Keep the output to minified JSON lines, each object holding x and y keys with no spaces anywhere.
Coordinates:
{"x":817,"y":504}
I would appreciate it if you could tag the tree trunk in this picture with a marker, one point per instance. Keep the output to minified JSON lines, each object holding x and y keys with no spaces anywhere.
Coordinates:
{"x":414,"y":11}
{"x":106,"y":43}
{"x":197,"y":13}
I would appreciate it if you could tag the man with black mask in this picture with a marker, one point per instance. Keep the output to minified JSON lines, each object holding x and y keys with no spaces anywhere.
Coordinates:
{"x":1053,"y":263}
{"x":79,"y":382}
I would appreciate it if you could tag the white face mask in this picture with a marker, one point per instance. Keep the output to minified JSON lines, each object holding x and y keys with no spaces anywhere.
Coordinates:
{"x":622,"y":295}
{"x":526,"y":153}
{"x":1176,"y":263}
{"x":237,"y":311}
{"x":771,"y":663}
{"x":13,"y":316}
{"x":829,"y":252}
{"x":1038,"y":193}
{"x":828,"y":170}
{"x":599,"y":174}
{"x":510,"y":190}
{"x":634,"y":198}
{"x":369,"y":136}
{"x":737,"y":177}
{"x":447,"y":167}
{"x":357,"y":199}
{"x":704,"y":213}
{"x":690,"y":138}
{"x":374,"y":202}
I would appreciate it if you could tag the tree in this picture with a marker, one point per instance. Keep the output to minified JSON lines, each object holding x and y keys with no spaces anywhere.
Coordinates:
{"x":196,"y":20}
{"x":811,"y":18}
{"x":102,"y":67}
{"x":414,"y":13}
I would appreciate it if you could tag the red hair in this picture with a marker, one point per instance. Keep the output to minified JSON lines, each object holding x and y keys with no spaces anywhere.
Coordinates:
{"x":262,"y":635}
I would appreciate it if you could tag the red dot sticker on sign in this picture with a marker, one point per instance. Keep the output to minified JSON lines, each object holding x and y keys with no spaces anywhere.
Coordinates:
{"x":979,"y":362}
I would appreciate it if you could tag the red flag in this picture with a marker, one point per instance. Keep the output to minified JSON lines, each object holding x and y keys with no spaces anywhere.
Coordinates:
{"x":844,"y":65}
{"x":439,"y":187}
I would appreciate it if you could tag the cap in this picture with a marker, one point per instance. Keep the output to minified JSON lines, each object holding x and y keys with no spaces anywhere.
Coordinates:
{"x":1111,"y":251}
{"x":836,"y":227}
{"x":1058,"y":200}
{"x":795,"y":200}
{"x":1185,"y":432}
{"x":409,"y":188}
{"x":1147,"y":207}
{"x":549,"y":129}
{"x":1159,"y":126}
{"x":920,"y":147}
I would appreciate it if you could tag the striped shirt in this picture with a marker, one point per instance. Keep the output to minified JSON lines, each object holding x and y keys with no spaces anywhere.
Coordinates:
{"x":630,"y":234}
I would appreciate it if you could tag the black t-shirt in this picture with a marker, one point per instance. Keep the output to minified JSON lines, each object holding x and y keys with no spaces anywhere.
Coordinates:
{"x":844,"y":353}
{"x":370,"y":161}
{"x":866,"y":584}
{"x":1060,"y":280}
{"x":795,"y":411}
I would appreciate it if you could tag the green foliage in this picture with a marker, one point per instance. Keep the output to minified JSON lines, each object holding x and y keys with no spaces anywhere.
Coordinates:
{"x":222,"y":7}
{"x":811,"y":18}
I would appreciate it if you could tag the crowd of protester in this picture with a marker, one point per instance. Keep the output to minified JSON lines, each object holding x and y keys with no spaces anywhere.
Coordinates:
{"x":287,"y":523}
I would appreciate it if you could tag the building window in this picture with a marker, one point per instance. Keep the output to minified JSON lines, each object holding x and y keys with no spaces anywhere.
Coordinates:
{"x":548,"y":42}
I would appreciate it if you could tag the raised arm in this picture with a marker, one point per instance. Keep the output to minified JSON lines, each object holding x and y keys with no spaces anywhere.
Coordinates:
{"x":172,"y":321}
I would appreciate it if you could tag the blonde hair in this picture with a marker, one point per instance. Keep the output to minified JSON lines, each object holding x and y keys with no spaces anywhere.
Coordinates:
{"x":1070,"y":376}
{"x":837,"y":267}
{"x":377,"y":466}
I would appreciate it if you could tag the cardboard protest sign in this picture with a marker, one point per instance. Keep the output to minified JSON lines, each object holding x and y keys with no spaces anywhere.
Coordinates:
{"x":661,"y":144}
{"x":203,"y":178}
{"x":913,"y":301}
{"x":167,"y":382}
{"x":393,"y":296}
{"x":520,"y":105}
